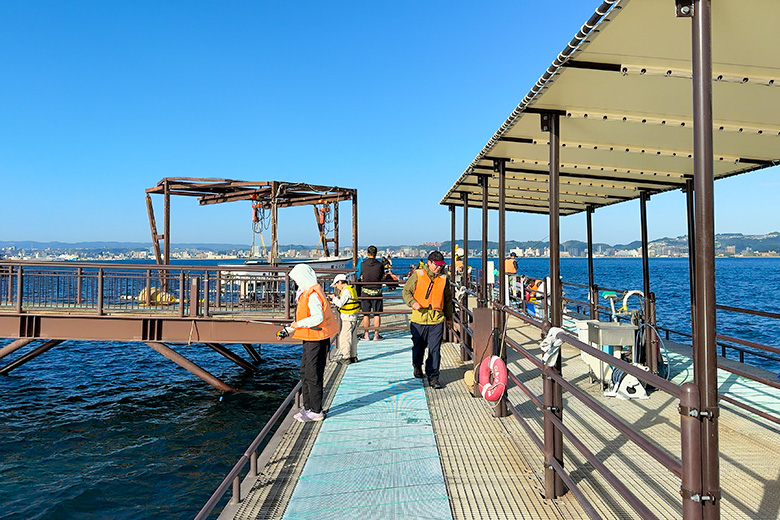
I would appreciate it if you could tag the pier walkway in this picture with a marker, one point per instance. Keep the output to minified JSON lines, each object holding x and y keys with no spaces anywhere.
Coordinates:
{"x":385,"y":453}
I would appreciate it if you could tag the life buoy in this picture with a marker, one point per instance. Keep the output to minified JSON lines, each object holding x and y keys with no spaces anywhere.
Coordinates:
{"x":492,"y":378}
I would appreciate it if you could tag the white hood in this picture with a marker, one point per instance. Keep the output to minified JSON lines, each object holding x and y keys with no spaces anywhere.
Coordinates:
{"x":304,"y":276}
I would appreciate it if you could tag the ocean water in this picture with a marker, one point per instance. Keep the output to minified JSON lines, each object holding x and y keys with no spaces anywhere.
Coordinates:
{"x":95,"y":430}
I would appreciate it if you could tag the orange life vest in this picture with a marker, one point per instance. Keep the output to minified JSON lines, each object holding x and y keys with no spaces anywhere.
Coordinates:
{"x":328,"y":328}
{"x":509,"y":266}
{"x":430,"y":293}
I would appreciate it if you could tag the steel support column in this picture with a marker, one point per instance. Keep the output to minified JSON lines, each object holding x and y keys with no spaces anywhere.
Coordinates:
{"x":691,"y":254}
{"x":706,"y":364}
{"x":648,"y":312}
{"x":592,"y":291}
{"x":452,"y":241}
{"x":500,"y":166}
{"x":354,"y":230}
{"x":465,"y":274}
{"x":553,"y":438}
{"x":482,"y":302}
{"x":336,"y":228}
{"x":272,"y":256}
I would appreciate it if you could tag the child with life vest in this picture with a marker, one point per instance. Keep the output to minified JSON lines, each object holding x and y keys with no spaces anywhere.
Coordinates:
{"x":315,"y":325}
{"x":429,"y":293}
{"x":346,"y":301}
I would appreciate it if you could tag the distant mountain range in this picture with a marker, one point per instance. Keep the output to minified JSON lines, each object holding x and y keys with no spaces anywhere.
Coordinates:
{"x":740,"y":242}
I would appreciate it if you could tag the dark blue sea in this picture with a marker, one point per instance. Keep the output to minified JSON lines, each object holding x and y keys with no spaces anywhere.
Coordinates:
{"x":96,"y":430}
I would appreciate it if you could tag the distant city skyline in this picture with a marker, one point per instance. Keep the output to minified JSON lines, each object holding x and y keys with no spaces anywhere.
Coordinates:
{"x":101,"y":100}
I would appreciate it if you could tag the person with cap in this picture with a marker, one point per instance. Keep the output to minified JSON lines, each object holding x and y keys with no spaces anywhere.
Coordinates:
{"x":315,"y":325}
{"x":429,"y":293}
{"x":346,"y":300}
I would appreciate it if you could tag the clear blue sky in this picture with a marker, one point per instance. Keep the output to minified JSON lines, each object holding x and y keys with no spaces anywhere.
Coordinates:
{"x":100,"y":100}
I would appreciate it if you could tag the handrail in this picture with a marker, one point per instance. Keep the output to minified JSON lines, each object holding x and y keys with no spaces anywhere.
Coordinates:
{"x":248,"y":454}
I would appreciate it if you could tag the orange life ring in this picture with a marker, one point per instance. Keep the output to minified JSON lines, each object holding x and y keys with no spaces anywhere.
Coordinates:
{"x":492,"y":378}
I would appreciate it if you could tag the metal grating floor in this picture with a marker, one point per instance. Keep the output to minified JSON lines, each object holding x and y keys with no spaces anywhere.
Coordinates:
{"x":490,"y":466}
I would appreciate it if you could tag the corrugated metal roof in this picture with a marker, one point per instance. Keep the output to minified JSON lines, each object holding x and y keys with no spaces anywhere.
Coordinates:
{"x":623,"y":89}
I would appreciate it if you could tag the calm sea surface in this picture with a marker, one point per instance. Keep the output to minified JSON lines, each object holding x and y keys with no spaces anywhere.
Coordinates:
{"x":95,"y":430}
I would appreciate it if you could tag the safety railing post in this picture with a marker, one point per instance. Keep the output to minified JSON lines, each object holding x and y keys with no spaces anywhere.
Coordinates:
{"x":690,"y":432}
{"x":218,"y":290}
{"x":19,"y":289}
{"x":206,"y":294}
{"x":148,"y":296}
{"x":594,"y":302}
{"x":79,"y":278}
{"x":236,"y":498}
{"x":287,"y":296}
{"x":100,"y":281}
{"x":181,"y":293}
{"x":194,"y":296}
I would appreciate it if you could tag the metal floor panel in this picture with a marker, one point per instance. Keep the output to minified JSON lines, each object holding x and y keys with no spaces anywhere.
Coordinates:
{"x":375,"y":455}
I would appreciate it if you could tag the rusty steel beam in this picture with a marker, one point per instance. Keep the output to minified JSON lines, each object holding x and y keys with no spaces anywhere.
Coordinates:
{"x":14,"y":346}
{"x":139,"y":328}
{"x":30,"y":355}
{"x":254,"y":354}
{"x":232,"y":356}
{"x":189,"y":366}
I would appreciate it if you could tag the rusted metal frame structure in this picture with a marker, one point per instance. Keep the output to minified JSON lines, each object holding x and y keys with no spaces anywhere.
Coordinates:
{"x":92,"y":319}
{"x":268,"y":195}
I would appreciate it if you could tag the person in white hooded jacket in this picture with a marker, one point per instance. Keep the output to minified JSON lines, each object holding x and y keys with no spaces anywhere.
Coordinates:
{"x":315,"y":325}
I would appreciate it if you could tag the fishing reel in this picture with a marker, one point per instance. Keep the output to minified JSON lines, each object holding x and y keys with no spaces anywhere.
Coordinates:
{"x":284,"y":333}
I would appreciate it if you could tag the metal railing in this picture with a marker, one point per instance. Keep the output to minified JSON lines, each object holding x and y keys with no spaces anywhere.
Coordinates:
{"x":688,"y":395}
{"x":233,"y":478}
{"x":175,"y":290}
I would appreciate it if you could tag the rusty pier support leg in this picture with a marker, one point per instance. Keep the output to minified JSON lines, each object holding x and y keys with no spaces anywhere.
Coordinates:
{"x":14,"y":346}
{"x":254,"y":354}
{"x":189,"y":366}
{"x":232,"y":356}
{"x":30,"y":355}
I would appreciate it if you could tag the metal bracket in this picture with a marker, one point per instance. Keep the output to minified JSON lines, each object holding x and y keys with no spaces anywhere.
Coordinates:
{"x":710,"y":413}
{"x":683,"y":8}
{"x":545,"y":118}
{"x":553,"y":409}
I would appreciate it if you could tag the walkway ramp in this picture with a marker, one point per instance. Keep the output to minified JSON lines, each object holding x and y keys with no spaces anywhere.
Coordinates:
{"x":375,"y":456}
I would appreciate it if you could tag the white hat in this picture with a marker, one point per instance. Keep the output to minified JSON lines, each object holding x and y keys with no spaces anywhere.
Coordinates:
{"x":340,"y":278}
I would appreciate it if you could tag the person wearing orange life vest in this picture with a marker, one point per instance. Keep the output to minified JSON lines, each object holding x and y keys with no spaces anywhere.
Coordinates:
{"x":315,"y":325}
{"x":429,"y":293}
{"x":510,"y":268}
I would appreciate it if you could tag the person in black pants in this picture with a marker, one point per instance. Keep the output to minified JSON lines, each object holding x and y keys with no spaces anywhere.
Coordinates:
{"x":371,"y":270}
{"x":429,"y":293}
{"x":315,"y":324}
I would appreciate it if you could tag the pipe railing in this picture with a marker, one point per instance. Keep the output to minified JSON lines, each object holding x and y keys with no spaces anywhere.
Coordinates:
{"x":657,"y":453}
{"x":147,"y":289}
{"x":233,"y":478}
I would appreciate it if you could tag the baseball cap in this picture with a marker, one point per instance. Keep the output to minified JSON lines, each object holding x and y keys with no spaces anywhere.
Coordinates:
{"x":340,"y":278}
{"x":437,"y":258}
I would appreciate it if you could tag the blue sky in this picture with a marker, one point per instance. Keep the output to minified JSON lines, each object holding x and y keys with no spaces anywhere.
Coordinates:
{"x":100,"y":100}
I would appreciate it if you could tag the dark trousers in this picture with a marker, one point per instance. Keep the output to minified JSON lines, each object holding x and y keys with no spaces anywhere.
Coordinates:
{"x":427,"y":336}
{"x":313,"y":359}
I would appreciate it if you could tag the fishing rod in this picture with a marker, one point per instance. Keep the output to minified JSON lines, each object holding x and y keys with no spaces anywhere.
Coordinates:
{"x":282,"y":333}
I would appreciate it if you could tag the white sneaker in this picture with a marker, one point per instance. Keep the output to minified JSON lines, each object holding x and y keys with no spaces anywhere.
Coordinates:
{"x":309,"y":416}
{"x":299,"y":416}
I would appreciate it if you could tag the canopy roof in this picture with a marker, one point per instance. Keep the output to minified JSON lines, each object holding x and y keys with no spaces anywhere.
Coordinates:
{"x":623,"y":90}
